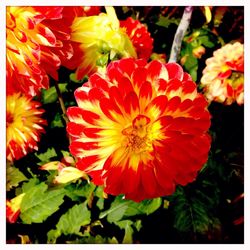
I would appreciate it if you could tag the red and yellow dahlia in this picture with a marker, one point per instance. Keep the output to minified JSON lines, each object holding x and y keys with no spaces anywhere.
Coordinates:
{"x":23,"y":125}
{"x":100,"y":38}
{"x":140,"y":37}
{"x":223,"y":77}
{"x":38,"y":42}
{"x":141,"y":129}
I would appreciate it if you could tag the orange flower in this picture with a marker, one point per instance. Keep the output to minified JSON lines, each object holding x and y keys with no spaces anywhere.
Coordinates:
{"x":223,"y":77}
{"x":37,"y":44}
{"x":140,"y":37}
{"x":23,"y":125}
{"x":141,"y":129}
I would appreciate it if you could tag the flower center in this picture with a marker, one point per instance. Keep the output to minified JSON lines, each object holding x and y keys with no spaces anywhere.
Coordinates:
{"x":137,"y":135}
{"x":235,"y":79}
{"x":9,"y":119}
{"x":10,"y":21}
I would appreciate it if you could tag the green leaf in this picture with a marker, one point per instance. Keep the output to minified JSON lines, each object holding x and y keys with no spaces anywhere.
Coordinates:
{"x":13,"y":177}
{"x":145,"y":207}
{"x":50,"y":95}
{"x":46,"y":157}
{"x":127,"y":226}
{"x":30,"y":184}
{"x":85,"y":189}
{"x":57,"y":122}
{"x":124,"y":208}
{"x":193,"y":211}
{"x":166,"y":21}
{"x":38,"y":203}
{"x":71,"y":222}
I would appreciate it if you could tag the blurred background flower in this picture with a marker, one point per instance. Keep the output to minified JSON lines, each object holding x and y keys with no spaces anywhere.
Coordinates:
{"x":23,"y":125}
{"x":141,"y":130}
{"x":223,"y":77}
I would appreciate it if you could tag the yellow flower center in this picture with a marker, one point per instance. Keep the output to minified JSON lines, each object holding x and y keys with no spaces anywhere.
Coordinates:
{"x":137,"y":135}
{"x":235,"y":79}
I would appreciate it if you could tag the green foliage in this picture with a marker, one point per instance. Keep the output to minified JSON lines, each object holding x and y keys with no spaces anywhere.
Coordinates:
{"x":57,"y":122}
{"x":71,"y":222}
{"x":80,"y":190}
{"x":47,"y":156}
{"x":127,"y":226}
{"x":13,"y":177}
{"x":121,"y":208}
{"x":38,"y":203}
{"x":166,"y":21}
{"x":194,"y":210}
{"x":50,"y":95}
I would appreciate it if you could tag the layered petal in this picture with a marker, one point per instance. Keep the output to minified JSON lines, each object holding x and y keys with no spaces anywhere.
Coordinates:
{"x":143,"y":135}
{"x":223,"y":77}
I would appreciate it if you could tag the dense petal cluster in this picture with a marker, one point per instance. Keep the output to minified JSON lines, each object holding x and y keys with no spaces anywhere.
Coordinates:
{"x":23,"y":125}
{"x":140,"y":37}
{"x":223,"y":77}
{"x":141,"y":129}
{"x":100,"y":38}
{"x":38,"y":42}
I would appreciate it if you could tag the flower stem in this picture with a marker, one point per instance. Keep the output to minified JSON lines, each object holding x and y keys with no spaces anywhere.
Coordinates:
{"x":59,"y":94}
{"x":180,"y":32}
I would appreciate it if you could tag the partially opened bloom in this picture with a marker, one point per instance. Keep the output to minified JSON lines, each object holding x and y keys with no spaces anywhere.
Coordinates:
{"x":140,"y":37}
{"x":223,"y":77}
{"x":38,"y":42}
{"x":13,"y":208}
{"x":141,"y":129}
{"x":23,"y":125}
{"x":100,"y":38}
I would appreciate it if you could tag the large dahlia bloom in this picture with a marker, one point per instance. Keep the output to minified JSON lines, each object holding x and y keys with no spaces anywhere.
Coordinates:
{"x":100,"y":39}
{"x":38,"y":42}
{"x":140,"y":37}
{"x":23,"y":125}
{"x":141,"y":129}
{"x":223,"y":77}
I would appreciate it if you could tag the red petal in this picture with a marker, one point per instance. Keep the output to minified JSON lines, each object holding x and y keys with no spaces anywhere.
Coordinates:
{"x":131,"y":103}
{"x":87,"y":162}
{"x":125,"y":86}
{"x":189,"y":87}
{"x":108,"y":107}
{"x":127,"y":66}
{"x":75,"y":129}
{"x":160,"y":103}
{"x":92,"y":132}
{"x":146,"y":91}
{"x":88,"y":116}
{"x":154,"y":69}
{"x":174,"y":71}
{"x":116,"y":96}
{"x":174,"y":103}
{"x":97,"y":81}
{"x":173,"y":84}
{"x":139,"y":76}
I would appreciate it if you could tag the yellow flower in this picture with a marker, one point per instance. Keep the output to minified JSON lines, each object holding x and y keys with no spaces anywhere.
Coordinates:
{"x":100,"y":37}
{"x":23,"y":125}
{"x":223,"y":77}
